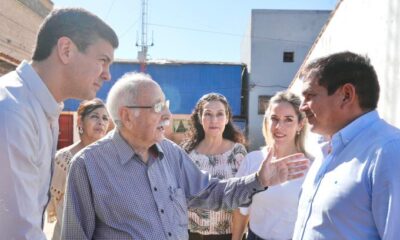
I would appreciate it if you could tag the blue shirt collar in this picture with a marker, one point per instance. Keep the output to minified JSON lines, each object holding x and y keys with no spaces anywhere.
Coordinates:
{"x":125,"y":151}
{"x":346,"y":134}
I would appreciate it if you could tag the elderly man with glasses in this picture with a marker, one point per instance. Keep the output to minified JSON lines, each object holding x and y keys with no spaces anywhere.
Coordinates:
{"x":135,"y":184}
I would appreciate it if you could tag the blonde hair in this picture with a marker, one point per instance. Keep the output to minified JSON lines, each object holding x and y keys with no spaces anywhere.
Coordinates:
{"x":295,"y":102}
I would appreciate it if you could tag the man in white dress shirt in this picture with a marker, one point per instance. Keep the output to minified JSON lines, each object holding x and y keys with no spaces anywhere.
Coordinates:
{"x":73,"y":52}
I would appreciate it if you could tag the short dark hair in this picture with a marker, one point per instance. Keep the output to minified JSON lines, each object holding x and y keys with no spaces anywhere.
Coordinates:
{"x":196,"y":132}
{"x":81,"y":26}
{"x":338,"y":69}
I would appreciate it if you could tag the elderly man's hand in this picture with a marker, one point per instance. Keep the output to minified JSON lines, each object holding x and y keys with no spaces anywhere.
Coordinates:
{"x":273,"y":172}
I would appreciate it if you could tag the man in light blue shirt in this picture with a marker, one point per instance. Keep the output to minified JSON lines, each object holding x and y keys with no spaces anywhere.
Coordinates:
{"x":354,"y":191}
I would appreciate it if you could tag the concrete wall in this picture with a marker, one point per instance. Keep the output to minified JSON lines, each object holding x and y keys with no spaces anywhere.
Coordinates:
{"x":19,"y":22}
{"x":274,"y":32}
{"x":371,"y":28}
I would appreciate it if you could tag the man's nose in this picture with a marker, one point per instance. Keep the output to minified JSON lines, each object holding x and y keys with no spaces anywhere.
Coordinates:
{"x":106,"y":75}
{"x":166,"y":114}
{"x":303,"y":106}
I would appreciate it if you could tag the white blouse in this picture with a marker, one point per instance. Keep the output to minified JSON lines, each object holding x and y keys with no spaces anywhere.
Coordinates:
{"x":273,"y":212}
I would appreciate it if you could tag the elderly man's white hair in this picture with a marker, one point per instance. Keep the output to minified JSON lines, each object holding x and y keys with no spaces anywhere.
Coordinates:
{"x":125,"y":92}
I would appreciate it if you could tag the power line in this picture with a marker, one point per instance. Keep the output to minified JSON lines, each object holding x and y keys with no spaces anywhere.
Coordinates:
{"x":109,"y":9}
{"x":231,"y":34}
{"x":129,"y":28}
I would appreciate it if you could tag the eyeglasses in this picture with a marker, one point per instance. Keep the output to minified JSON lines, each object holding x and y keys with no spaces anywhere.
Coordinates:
{"x":158,"y":107}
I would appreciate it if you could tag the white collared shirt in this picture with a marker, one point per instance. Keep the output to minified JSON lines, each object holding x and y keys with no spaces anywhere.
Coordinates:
{"x":29,"y":131}
{"x":273,"y":212}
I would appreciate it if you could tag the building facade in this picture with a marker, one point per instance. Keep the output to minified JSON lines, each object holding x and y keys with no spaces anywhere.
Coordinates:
{"x":371,"y":28}
{"x":19,"y":22}
{"x":273,"y":49}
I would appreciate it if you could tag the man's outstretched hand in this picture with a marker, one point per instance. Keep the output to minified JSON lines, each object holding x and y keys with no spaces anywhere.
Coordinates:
{"x":273,"y":172}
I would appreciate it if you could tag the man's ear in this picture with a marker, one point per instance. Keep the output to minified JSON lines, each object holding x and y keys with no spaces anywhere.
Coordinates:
{"x":65,"y":49}
{"x":348,"y":93}
{"x":125,"y":117}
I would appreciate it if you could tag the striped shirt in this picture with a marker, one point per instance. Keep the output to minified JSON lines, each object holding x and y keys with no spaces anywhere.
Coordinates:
{"x":112,"y":194}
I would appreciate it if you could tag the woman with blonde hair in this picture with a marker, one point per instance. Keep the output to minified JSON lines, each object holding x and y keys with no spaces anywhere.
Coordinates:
{"x":272,"y":214}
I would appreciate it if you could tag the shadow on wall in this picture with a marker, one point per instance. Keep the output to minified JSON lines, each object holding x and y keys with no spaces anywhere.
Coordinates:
{"x":391,"y":74}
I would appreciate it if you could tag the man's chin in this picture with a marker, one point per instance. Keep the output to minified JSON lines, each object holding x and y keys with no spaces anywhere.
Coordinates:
{"x":313,"y":128}
{"x":316,"y":130}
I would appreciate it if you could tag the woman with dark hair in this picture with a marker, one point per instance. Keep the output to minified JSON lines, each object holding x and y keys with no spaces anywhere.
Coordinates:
{"x":216,"y":146}
{"x":272,"y":214}
{"x":93,"y":122}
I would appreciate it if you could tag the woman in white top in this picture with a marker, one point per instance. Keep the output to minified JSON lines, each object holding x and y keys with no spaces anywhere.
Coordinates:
{"x":272,"y":214}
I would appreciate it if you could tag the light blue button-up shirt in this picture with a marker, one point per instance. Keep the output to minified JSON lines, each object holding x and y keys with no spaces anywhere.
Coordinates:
{"x":354,"y":192}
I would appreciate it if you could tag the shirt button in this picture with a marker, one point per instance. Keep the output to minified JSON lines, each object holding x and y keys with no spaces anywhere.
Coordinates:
{"x":169,"y":234}
{"x":162,"y":210}
{"x":155,"y":189}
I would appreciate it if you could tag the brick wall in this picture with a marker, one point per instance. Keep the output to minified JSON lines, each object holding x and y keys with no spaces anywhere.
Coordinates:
{"x":19,"y":22}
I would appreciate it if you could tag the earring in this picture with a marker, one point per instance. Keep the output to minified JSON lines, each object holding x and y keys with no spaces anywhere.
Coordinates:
{"x":298,"y":132}
{"x":80,"y":130}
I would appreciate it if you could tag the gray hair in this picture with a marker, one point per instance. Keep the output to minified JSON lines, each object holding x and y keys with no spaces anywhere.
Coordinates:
{"x":125,"y":92}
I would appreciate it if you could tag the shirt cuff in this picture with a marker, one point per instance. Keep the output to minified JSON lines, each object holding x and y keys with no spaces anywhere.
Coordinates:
{"x":254,"y":184}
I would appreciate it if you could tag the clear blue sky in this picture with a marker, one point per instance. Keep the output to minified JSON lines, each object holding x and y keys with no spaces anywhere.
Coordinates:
{"x":206,"y":30}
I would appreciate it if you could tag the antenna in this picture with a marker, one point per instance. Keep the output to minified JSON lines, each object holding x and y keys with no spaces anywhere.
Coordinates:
{"x":142,"y":53}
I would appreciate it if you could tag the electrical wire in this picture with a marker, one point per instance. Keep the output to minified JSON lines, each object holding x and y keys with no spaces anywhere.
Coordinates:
{"x":231,"y":34}
{"x":109,"y":9}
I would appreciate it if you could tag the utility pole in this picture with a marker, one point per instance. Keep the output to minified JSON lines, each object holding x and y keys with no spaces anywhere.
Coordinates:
{"x":142,"y":53}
